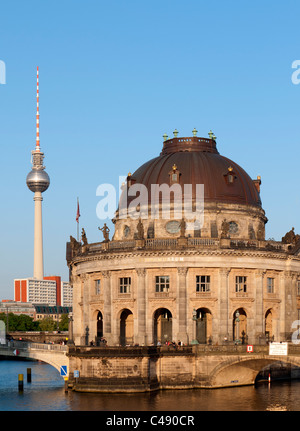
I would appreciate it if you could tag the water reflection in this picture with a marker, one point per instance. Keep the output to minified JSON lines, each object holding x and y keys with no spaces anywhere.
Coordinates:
{"x":46,"y":393}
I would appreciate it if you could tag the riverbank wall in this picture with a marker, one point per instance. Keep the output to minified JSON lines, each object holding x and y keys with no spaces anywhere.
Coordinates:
{"x":146,"y":369}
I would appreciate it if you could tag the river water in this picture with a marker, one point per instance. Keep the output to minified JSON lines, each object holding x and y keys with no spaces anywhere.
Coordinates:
{"x":46,"y":393}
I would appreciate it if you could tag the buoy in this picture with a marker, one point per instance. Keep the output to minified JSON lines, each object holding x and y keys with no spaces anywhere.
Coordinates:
{"x":20,"y":382}
{"x":28,"y":375}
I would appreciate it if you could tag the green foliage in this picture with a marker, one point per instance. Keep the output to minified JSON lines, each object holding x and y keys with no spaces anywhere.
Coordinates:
{"x":23,"y":322}
{"x":47,"y":324}
{"x":64,"y":322}
{"x":19,"y":322}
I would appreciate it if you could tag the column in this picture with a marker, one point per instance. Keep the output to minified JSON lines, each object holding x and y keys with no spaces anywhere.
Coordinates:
{"x":107,"y":327}
{"x":290,"y":311}
{"x":224,"y":322}
{"x":141,"y":336}
{"x":282,"y":315}
{"x":182,"y":305}
{"x":85,"y":330}
{"x":259,"y":316}
{"x":77,"y":308}
{"x":38,"y":265}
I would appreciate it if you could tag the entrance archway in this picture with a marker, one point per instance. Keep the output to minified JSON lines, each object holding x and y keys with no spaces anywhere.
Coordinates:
{"x":240,"y":326}
{"x":269,"y":325}
{"x":162,"y":331}
{"x":99,"y":325}
{"x":203,"y":325}
{"x":126,"y":328}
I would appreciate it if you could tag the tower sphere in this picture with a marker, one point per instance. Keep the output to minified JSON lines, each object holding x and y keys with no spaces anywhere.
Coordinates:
{"x":38,"y":180}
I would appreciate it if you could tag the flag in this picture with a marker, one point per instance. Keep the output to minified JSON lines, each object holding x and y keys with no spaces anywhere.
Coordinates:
{"x":78,"y":212}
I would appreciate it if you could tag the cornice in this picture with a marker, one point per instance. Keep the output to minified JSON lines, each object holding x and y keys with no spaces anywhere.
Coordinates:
{"x":182,"y":253}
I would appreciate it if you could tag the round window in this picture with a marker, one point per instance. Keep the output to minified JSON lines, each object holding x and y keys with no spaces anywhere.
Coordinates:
{"x":173,"y":226}
{"x":233,"y":227}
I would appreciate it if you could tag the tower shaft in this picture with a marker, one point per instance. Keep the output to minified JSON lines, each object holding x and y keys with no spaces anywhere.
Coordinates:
{"x":38,"y":262}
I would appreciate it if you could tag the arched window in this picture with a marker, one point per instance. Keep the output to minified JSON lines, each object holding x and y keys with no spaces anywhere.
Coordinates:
{"x":162,"y":331}
{"x":126,"y":328}
{"x":203,"y":326}
{"x":240,"y":326}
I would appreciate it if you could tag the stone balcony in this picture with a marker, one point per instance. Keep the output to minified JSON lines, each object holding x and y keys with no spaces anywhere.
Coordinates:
{"x":180,"y":243}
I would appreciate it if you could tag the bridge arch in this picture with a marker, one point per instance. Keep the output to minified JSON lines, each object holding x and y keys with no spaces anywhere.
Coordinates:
{"x":238,"y":371}
{"x":52,"y":354}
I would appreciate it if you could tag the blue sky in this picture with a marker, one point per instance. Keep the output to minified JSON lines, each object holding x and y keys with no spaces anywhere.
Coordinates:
{"x":114,"y":77}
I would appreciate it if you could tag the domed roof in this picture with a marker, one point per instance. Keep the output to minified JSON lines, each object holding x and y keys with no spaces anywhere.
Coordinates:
{"x":198,"y":161}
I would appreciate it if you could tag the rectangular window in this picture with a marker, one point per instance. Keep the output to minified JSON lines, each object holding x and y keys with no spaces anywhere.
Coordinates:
{"x":298,"y":287}
{"x":125,"y":283}
{"x":97,"y":287}
{"x":202,"y":283}
{"x":240,"y":284}
{"x":162,"y":283}
{"x":270,"y":285}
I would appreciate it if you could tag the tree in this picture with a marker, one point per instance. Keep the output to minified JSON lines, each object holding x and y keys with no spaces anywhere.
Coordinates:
{"x":47,"y":324}
{"x":17,"y":322}
{"x":64,"y":322}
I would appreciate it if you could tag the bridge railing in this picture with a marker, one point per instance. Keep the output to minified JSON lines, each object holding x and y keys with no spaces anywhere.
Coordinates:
{"x":27,"y":345}
{"x":42,"y":346}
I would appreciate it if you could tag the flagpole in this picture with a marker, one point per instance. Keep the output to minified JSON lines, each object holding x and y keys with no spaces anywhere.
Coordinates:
{"x":77,"y":219}
{"x":78,"y":230}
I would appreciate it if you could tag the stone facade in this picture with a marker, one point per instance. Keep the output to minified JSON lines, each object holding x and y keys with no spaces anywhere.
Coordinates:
{"x":263,"y":306}
{"x":156,"y":282}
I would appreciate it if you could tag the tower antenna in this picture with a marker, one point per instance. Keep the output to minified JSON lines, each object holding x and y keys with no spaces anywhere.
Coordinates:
{"x":37,"y":147}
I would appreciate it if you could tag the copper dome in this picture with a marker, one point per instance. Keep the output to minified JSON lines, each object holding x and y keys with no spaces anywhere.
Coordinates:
{"x":198,"y":162}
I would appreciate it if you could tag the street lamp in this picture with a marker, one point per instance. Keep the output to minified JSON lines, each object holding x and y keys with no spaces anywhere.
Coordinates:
{"x":237,"y":321}
{"x":70,"y":329}
{"x":194,"y":341}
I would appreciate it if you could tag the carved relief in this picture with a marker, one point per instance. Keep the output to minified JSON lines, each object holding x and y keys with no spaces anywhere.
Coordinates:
{"x":141,"y":272}
{"x":225,"y":229}
{"x":182,"y":270}
{"x":106,"y":274}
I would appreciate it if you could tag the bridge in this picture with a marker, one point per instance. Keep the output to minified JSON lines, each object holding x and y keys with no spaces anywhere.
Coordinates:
{"x":53,"y":354}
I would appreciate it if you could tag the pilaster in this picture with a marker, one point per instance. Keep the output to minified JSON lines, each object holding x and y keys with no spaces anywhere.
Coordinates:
{"x":259,"y":319}
{"x":107,"y":326}
{"x":141,"y":336}
{"x":182,"y":305}
{"x":223,"y":323}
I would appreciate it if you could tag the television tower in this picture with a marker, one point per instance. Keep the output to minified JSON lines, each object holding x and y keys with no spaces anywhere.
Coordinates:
{"x":38,"y":182}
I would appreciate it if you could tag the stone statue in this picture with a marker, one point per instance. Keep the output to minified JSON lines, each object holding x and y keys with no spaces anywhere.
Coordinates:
{"x":140,"y":230}
{"x":75,"y":246}
{"x":83,"y":237}
{"x":290,"y":237}
{"x":260,"y":235}
{"x":105,"y":230}
{"x":225,"y":229}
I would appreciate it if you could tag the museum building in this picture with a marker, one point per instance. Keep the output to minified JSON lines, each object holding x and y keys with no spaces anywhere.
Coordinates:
{"x":202,"y":275}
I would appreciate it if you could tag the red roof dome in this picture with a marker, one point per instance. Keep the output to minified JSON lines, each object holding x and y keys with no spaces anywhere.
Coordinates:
{"x":198,"y":161}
